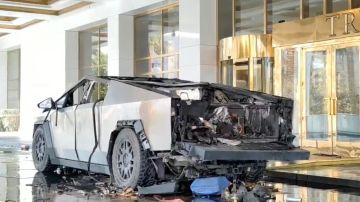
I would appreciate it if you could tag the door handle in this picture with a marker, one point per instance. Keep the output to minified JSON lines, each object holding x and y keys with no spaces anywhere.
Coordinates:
{"x":329,"y":105}
{"x":334,"y":107}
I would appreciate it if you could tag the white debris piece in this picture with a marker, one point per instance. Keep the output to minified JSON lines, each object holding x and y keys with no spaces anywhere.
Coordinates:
{"x":229,"y":142}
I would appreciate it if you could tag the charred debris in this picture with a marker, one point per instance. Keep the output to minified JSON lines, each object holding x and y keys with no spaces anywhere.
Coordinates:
{"x":214,"y":113}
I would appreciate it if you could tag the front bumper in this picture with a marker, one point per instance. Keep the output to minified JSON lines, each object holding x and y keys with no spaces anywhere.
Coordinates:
{"x":245,"y":152}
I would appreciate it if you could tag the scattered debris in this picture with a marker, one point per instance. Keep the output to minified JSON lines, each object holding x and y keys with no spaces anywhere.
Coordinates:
{"x":158,"y":198}
{"x":162,"y":188}
{"x":229,"y":142}
{"x":58,"y":171}
{"x":25,"y":147}
{"x":248,"y":193}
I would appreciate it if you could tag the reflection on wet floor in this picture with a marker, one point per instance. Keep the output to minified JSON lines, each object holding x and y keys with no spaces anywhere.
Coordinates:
{"x":351,"y":172}
{"x":19,"y":181}
{"x":292,"y":193}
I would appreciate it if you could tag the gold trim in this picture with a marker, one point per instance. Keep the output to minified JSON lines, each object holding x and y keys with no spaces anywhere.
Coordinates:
{"x":73,"y":7}
{"x":38,"y":2}
{"x":32,"y":22}
{"x":18,"y":27}
{"x":172,"y":5}
{"x":44,"y":11}
{"x":27,"y":10}
{"x":7,"y":18}
{"x":246,"y":46}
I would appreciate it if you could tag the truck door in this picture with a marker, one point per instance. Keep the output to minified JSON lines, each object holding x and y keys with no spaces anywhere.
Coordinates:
{"x":86,"y":113}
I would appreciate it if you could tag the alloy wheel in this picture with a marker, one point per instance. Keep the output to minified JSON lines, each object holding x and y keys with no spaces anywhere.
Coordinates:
{"x":125,"y":160}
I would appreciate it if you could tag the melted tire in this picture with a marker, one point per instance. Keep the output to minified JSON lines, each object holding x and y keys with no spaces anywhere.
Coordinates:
{"x":40,"y":152}
{"x":135,"y":168}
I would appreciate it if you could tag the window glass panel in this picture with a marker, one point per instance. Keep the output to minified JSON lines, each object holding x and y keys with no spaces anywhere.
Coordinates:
{"x":257,"y":75}
{"x":171,"y":33}
{"x":148,"y":35}
{"x":148,"y":68}
{"x":355,"y":4}
{"x":241,"y":74}
{"x":263,"y":75}
{"x":98,"y":92}
{"x":93,"y":52}
{"x":283,"y":11}
{"x":249,"y":17}
{"x":141,"y":68}
{"x":13,"y":79}
{"x":227,"y":72}
{"x":289,"y":66}
{"x":157,"y":44}
{"x":267,"y":76}
{"x":347,"y":80}
{"x":171,"y":67}
{"x":289,"y":76}
{"x":315,"y":7}
{"x":339,"y":5}
{"x":103,"y":56}
{"x":75,"y":97}
{"x":225,"y":18}
{"x":316,"y":66}
{"x":155,"y":67}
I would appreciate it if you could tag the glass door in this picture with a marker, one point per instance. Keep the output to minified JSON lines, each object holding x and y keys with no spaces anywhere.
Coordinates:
{"x":346,"y":99}
{"x":330,"y":99}
{"x":316,"y":99}
{"x":241,"y":74}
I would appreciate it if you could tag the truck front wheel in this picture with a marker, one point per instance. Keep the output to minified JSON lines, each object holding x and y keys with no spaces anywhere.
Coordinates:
{"x":40,"y":151}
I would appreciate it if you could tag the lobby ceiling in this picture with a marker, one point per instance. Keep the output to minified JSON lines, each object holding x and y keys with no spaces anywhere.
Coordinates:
{"x":18,"y":14}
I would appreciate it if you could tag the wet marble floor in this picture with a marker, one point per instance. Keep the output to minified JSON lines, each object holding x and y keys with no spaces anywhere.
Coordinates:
{"x":19,"y":181}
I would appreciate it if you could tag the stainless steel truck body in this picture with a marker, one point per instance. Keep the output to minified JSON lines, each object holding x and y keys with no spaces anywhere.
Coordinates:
{"x":143,"y":131}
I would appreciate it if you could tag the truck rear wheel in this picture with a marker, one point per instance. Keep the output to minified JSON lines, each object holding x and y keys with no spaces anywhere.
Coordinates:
{"x":130,"y":163}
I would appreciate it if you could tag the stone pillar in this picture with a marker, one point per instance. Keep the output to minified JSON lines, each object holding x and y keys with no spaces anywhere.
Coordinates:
{"x":71,"y":58}
{"x":198,"y":40}
{"x":121,"y":45}
{"x":3,"y":80}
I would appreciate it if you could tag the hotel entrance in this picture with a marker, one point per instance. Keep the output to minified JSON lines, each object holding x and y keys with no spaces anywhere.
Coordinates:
{"x":314,"y":61}
{"x":330,"y":97}
{"x":317,"y":65}
{"x":323,"y":78}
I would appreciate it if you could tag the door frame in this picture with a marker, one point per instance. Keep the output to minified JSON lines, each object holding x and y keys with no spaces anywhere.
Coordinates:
{"x":326,"y":143}
{"x":331,"y":46}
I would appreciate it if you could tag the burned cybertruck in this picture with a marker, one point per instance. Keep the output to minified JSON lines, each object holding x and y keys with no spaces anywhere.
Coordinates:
{"x":144,"y":131}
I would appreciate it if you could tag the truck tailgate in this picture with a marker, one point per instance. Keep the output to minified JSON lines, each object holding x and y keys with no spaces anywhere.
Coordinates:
{"x":243,"y":152}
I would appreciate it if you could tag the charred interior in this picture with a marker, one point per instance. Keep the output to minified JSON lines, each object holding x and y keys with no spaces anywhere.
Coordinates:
{"x":212,"y":115}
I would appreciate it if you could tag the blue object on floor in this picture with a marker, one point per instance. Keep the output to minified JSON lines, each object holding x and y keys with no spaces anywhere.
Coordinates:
{"x":209,"y":186}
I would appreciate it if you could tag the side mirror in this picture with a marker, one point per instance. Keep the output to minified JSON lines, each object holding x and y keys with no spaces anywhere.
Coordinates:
{"x":47,"y":104}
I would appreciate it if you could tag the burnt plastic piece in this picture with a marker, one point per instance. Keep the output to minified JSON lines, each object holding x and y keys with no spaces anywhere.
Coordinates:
{"x":163,"y":188}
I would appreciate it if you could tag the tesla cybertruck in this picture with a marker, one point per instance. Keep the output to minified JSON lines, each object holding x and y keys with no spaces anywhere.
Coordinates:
{"x":144,"y":131}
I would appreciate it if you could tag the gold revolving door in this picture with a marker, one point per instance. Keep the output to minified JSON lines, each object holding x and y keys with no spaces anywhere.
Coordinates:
{"x":247,"y":61}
